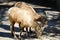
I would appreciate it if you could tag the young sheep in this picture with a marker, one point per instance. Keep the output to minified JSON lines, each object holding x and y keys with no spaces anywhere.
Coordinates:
{"x":37,"y":17}
{"x":24,"y":18}
{"x":27,"y":7}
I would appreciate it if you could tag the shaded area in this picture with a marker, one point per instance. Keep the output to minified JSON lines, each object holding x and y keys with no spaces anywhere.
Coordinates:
{"x":42,"y":10}
{"x":3,"y":34}
{"x":3,"y":12}
{"x":3,"y":26}
{"x":6,"y":27}
{"x":53,"y":28}
{"x":47,"y":3}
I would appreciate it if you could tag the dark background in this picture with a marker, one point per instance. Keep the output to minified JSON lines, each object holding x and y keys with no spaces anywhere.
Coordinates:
{"x":49,"y":3}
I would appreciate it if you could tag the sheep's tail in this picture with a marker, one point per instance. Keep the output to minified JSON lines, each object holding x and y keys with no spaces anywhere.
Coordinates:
{"x":18,"y":4}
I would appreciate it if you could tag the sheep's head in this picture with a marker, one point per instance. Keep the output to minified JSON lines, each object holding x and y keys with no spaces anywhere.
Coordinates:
{"x":42,"y":21}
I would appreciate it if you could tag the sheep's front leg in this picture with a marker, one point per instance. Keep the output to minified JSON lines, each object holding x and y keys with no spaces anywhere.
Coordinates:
{"x":38,"y":31}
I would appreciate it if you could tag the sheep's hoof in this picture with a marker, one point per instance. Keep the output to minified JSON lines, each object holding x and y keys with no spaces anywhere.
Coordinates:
{"x":19,"y":37}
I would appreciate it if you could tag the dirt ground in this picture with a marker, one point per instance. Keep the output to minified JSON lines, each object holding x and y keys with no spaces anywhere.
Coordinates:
{"x":52,"y":32}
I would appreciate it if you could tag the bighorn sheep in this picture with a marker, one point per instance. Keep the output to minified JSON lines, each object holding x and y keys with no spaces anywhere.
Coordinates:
{"x":23,"y":5}
{"x":26,"y":17}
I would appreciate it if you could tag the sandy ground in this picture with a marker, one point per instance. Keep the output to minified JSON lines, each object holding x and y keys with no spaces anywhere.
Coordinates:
{"x":52,"y":32}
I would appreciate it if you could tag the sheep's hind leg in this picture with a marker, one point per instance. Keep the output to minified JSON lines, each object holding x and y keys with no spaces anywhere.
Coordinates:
{"x":12,"y":30}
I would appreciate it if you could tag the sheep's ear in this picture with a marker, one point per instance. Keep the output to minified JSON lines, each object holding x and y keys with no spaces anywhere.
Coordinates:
{"x":41,"y":19}
{"x":44,"y":20}
{"x":38,"y":19}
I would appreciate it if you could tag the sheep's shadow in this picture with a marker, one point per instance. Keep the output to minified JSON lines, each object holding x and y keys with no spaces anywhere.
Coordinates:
{"x":4,"y":34}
